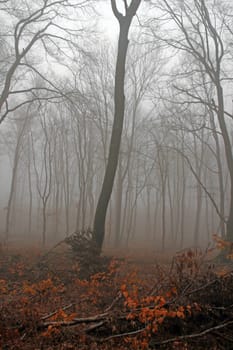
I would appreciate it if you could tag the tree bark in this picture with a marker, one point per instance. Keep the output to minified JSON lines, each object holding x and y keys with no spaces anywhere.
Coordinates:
{"x":119,"y":101}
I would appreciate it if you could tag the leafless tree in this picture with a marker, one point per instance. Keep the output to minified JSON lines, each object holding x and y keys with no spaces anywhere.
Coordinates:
{"x":21,"y":124}
{"x":199,"y":30}
{"x":31,"y":27}
{"x":119,"y":99}
{"x":43,"y":169}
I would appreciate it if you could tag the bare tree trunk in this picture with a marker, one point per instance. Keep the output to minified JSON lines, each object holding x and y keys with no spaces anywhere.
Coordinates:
{"x":44,"y":190}
{"x":66,"y":182}
{"x":220,"y":173}
{"x":156,"y":209}
{"x":172,"y":226}
{"x":228,"y":153}
{"x":57,"y":185}
{"x":14,"y":176}
{"x":183,"y":197}
{"x":119,"y":190}
{"x":29,"y":189}
{"x":148,"y":210}
{"x":12,"y":191}
{"x":163,"y":213}
{"x":119,"y":99}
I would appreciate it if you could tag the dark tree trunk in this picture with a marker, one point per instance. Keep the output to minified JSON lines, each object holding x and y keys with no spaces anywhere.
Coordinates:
{"x":229,"y":158}
{"x":118,"y":211}
{"x":119,"y":100}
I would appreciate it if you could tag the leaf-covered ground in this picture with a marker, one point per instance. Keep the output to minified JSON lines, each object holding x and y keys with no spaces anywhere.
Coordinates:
{"x":56,"y":301}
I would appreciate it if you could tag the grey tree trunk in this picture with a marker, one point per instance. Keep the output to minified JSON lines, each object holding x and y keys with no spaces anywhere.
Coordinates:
{"x":119,"y":193}
{"x":13,"y":180}
{"x":119,"y":100}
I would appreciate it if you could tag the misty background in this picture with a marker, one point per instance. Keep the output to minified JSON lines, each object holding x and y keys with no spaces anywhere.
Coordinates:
{"x":172,"y":183}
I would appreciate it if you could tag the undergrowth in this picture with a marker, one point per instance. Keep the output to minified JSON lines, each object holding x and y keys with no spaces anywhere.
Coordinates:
{"x":183,"y":305}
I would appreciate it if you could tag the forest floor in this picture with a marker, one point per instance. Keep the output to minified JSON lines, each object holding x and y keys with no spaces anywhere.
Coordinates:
{"x":56,"y":301}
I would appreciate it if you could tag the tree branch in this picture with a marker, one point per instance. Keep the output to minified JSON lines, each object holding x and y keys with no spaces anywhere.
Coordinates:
{"x":115,"y":11}
{"x":195,"y":335}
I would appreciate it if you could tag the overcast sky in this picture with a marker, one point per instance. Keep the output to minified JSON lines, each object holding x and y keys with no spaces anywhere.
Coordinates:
{"x":107,"y":22}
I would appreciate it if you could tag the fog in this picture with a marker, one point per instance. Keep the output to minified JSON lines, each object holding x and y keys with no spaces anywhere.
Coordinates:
{"x":174,"y":181}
